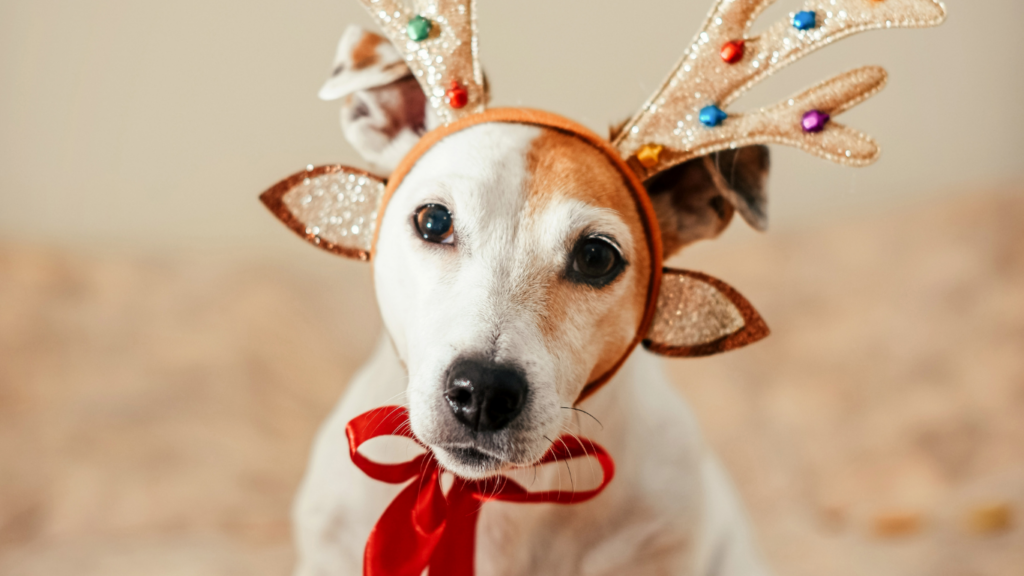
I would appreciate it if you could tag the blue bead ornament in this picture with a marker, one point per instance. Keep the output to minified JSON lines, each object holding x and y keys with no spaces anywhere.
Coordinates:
{"x":712,"y":116}
{"x":805,"y":20}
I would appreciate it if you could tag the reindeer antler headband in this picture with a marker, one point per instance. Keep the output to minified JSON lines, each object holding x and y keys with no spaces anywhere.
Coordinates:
{"x":338,"y":208}
{"x":686,"y":117}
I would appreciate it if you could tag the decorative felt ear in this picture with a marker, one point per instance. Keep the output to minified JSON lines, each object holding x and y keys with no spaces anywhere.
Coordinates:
{"x":698,"y":315}
{"x":332,"y":207}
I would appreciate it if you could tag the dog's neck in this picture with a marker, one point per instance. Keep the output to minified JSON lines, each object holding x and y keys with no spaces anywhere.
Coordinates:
{"x":611,"y":409}
{"x":632,"y":409}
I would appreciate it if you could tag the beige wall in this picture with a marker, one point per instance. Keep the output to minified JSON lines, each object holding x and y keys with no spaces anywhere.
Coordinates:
{"x":156,"y":124}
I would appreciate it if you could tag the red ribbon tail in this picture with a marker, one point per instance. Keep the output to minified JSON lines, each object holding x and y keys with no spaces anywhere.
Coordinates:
{"x":454,"y":554}
{"x":405,"y":536}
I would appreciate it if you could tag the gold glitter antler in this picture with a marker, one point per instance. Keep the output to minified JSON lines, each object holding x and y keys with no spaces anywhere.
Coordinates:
{"x":686,"y":117}
{"x":439,"y":42}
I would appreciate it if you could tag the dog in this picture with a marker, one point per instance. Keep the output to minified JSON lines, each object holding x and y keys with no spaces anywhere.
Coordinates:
{"x":490,"y":336}
{"x":517,"y":259}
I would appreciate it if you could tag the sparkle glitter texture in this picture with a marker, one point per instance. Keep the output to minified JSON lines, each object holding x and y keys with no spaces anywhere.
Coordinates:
{"x":691,"y":312}
{"x":333,"y":207}
{"x":671,"y":116}
{"x":449,"y":54}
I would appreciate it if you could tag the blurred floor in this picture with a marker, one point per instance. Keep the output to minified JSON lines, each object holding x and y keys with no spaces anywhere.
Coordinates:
{"x":155,"y":414}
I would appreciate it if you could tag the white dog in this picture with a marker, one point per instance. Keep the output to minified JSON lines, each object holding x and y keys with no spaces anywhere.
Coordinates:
{"x":517,"y":263}
{"x":508,"y":274}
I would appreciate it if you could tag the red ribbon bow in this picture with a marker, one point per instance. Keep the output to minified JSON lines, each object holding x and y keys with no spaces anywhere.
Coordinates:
{"x":424,"y":527}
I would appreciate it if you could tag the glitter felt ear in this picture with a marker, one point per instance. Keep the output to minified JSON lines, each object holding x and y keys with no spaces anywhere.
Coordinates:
{"x":438,"y":40}
{"x":697,"y":315}
{"x":332,"y":207}
{"x":689,"y":115}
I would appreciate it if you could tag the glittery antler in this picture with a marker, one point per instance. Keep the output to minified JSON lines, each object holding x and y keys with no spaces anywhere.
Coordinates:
{"x":439,"y":43}
{"x":686,"y":117}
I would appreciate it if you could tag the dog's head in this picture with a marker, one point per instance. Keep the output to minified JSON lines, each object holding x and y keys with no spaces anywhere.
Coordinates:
{"x":513,"y":268}
{"x":513,"y":265}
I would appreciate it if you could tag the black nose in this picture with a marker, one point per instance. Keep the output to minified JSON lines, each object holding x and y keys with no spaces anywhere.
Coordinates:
{"x":485,"y":396}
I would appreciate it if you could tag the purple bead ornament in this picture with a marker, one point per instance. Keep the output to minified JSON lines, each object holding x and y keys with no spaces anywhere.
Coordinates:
{"x":814,"y":121}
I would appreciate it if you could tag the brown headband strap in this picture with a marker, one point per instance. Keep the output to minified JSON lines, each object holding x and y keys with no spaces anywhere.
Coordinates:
{"x":548,"y":120}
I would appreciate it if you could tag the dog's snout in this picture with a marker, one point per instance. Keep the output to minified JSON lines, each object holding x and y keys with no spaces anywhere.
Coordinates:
{"x":485,"y":396}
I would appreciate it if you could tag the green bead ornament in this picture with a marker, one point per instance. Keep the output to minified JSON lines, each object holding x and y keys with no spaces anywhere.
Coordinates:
{"x":419,"y":28}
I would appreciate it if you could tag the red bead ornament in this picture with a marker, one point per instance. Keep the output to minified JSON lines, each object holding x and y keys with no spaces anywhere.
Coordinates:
{"x":732,"y":51}
{"x":457,"y":95}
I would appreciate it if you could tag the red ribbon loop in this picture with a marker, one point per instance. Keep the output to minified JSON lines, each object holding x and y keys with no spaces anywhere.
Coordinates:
{"x":423,"y":526}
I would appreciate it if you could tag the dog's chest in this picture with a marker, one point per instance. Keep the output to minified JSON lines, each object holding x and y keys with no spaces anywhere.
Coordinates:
{"x":597,"y":538}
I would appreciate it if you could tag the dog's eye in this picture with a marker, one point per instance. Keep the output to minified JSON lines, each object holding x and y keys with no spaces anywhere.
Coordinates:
{"x":434,"y":224}
{"x":595,"y":261}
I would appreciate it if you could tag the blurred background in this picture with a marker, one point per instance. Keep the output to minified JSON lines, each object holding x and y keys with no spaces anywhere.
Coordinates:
{"x":167,"y":349}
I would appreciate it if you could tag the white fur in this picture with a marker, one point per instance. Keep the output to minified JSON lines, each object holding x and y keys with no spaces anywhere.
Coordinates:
{"x":670,"y":509}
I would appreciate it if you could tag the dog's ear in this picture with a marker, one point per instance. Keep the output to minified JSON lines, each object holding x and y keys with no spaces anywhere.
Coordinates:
{"x":696,"y":200}
{"x":332,"y":207}
{"x":697,"y":315}
{"x":383,"y":109}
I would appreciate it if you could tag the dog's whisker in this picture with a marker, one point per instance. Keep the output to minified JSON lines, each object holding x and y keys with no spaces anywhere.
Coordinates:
{"x":440,"y":486}
{"x":575,"y":409}
{"x":498,"y":485}
{"x":394,"y":397}
{"x":572,"y":484}
{"x":590,"y":461}
{"x":559,"y":470}
{"x":494,"y":489}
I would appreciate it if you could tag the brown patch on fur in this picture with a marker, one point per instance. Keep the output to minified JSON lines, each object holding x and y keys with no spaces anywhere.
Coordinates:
{"x":364,"y":54}
{"x":564,"y":166}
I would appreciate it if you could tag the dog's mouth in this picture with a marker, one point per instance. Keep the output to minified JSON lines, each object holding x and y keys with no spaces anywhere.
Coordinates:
{"x":474,"y":457}
{"x":469,"y":461}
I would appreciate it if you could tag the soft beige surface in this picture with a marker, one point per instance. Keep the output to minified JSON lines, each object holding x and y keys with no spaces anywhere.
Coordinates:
{"x":893,"y":384}
{"x":155,"y":413}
